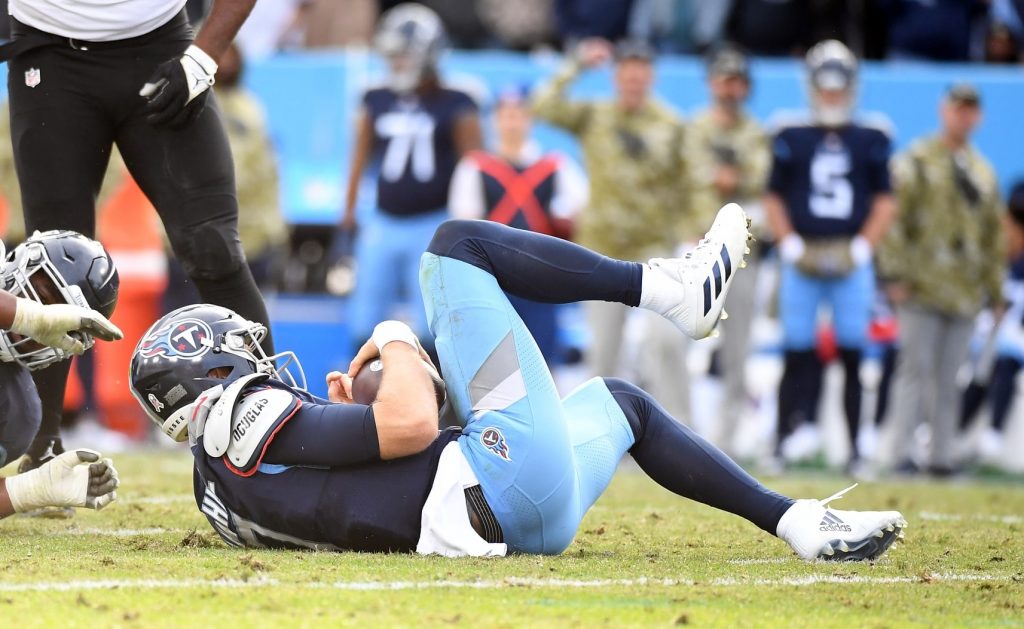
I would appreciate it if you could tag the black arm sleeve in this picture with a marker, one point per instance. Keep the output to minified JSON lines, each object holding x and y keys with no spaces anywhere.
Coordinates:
{"x":326,"y":435}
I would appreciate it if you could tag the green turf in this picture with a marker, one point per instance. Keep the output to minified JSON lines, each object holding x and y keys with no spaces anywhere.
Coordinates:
{"x":669,"y":561}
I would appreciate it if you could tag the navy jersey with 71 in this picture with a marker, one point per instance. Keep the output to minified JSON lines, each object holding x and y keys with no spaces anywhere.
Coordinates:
{"x":828,"y":177}
{"x":414,"y":146}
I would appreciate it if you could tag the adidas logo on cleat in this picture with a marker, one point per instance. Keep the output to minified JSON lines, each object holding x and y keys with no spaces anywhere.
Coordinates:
{"x":833,"y":524}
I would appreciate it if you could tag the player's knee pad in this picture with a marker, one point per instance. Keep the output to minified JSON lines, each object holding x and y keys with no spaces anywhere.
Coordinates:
{"x":210,"y":250}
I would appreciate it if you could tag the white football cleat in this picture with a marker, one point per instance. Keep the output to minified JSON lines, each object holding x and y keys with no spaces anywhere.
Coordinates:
{"x":816,"y":532}
{"x":706,"y":273}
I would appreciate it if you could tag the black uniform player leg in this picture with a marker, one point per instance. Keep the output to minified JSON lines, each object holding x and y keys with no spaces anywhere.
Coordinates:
{"x":798,"y":392}
{"x":19,"y":412}
{"x":61,"y":139}
{"x":682,"y":462}
{"x":188,"y":174}
{"x":885,"y":384}
{"x":852,"y":394}
{"x":538,"y":267}
{"x":1003,"y":388}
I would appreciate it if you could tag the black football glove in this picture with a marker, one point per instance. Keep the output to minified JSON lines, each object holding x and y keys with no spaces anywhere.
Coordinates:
{"x":176,"y":92}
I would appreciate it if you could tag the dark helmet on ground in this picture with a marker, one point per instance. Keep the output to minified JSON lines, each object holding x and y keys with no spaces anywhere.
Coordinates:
{"x":56,"y":266}
{"x":192,"y":350}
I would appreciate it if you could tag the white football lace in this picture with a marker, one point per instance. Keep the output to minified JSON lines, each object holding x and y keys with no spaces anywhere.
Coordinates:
{"x":836,"y":496}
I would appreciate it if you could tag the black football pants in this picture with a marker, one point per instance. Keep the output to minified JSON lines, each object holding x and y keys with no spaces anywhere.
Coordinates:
{"x":62,"y":130}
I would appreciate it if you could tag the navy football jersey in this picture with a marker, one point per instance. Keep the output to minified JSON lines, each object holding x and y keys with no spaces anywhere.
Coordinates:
{"x":414,"y":147}
{"x":829,"y":177}
{"x":372,"y":506}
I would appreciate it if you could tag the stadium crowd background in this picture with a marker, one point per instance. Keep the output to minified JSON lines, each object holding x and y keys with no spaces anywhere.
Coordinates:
{"x":304,"y":63}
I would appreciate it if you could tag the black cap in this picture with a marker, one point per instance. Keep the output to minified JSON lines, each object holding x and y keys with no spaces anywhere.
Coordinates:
{"x":963,"y":94}
{"x":634,"y":49}
{"x":728,"y":60}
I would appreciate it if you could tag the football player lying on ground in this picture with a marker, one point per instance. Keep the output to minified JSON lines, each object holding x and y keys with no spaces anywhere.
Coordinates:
{"x":47,"y":315}
{"x":277,"y":467}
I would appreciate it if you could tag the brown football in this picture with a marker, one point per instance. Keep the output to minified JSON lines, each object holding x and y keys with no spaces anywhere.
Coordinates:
{"x":367,"y":382}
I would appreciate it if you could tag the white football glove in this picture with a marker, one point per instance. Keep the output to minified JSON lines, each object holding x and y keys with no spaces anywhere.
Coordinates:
{"x":50,"y":324}
{"x":77,"y":478}
{"x":860,"y":250}
{"x":791,"y":248}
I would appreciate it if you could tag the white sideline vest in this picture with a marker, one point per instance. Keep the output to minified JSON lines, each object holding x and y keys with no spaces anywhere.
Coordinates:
{"x":95,"y":20}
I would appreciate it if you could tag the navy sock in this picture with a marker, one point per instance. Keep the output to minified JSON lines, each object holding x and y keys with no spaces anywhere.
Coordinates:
{"x":852,"y":394}
{"x":682,"y":462}
{"x":538,"y":267}
{"x":798,"y":391}
{"x":1003,"y":388}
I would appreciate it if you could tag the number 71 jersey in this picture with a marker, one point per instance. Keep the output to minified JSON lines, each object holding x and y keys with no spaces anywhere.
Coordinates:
{"x":414,"y":146}
{"x":828,"y":177}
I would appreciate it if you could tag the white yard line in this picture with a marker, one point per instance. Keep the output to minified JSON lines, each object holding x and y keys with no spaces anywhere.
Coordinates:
{"x":511,"y":582}
{"x":956,"y":517}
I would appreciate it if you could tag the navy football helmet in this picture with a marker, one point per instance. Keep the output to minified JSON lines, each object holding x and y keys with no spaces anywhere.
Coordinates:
{"x":832,"y":82}
{"x":56,"y":267}
{"x":411,"y":37}
{"x":194,"y":349}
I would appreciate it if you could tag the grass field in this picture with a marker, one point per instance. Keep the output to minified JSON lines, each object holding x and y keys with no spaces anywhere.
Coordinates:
{"x":643,"y":558}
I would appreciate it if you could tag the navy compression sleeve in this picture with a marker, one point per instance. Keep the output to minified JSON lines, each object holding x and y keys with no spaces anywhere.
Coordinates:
{"x":326,"y":435}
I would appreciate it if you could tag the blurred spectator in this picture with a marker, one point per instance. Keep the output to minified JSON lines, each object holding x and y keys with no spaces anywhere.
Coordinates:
{"x":944,"y":261}
{"x":261,"y":225}
{"x":771,"y":27}
{"x":578,"y":20}
{"x":998,"y":384}
{"x":708,"y":20}
{"x":1001,"y":45}
{"x":331,"y":24}
{"x":633,"y":151}
{"x":461,"y":20}
{"x":666,"y":24}
{"x":272,"y":26}
{"x":414,"y":130}
{"x":828,"y":203}
{"x":729,"y":158}
{"x":1009,"y":13}
{"x":521,"y":186}
{"x":939,"y":30}
{"x":520,"y":25}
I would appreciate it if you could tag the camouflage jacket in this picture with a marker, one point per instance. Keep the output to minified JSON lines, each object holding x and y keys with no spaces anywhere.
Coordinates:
{"x":636,"y":168}
{"x":946,"y":243}
{"x":707,"y":146}
{"x":260,"y":223}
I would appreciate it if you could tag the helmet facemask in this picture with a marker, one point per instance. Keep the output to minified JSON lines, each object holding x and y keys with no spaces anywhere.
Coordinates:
{"x":30,"y":274}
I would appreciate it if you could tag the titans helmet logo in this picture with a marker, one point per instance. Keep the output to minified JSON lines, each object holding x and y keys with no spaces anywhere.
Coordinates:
{"x":187,"y":338}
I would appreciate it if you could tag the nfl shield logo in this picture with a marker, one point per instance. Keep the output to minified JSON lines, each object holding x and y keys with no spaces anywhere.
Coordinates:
{"x":33,"y":77}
